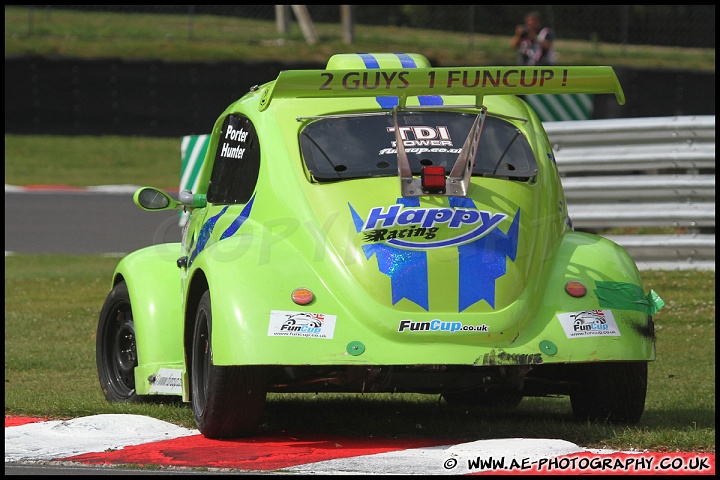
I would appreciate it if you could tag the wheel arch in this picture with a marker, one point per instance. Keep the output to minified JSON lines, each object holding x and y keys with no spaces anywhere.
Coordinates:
{"x":153,"y":281}
{"x":600,"y":265}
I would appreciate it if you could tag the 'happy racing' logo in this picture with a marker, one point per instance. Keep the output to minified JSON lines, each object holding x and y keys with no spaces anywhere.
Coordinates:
{"x":401,"y":236}
{"x":419,"y":228}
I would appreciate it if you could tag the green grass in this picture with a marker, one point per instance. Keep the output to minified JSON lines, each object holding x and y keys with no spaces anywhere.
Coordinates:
{"x":88,"y":160}
{"x":215,"y":38}
{"x":52,"y":304}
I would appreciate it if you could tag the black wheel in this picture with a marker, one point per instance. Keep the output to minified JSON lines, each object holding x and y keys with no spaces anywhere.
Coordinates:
{"x":115,"y":352}
{"x":227,"y":401}
{"x":610,"y":392}
{"x":481,"y":398}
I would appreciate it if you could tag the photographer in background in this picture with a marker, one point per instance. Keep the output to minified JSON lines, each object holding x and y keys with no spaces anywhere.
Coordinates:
{"x":534,"y":42}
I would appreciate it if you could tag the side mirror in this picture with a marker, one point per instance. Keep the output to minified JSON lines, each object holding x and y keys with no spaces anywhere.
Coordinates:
{"x":187,"y":198}
{"x":154,"y":199}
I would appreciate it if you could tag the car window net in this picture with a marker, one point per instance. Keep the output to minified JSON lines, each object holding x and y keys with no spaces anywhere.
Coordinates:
{"x":345,"y":147}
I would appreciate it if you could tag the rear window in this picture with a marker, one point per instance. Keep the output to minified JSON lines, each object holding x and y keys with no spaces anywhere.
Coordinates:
{"x":338,"y":148}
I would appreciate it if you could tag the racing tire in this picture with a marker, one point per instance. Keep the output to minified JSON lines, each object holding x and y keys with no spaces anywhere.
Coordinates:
{"x":482,"y":398}
{"x":227,"y":402}
{"x":610,"y":392}
{"x":115,"y":349}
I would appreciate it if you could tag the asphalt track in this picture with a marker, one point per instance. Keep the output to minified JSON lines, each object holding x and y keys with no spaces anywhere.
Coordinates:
{"x":98,"y":220}
{"x":103,"y":220}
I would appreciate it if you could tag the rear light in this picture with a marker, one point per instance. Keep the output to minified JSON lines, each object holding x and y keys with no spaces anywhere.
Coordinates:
{"x":302,"y":296}
{"x":575,"y":289}
{"x":433,"y":179}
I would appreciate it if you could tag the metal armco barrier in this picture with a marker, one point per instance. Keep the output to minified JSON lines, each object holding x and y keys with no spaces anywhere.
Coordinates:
{"x":620,"y":174}
{"x":643,"y":174}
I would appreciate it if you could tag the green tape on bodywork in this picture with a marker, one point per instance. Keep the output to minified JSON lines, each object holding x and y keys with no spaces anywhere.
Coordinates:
{"x":627,"y":296}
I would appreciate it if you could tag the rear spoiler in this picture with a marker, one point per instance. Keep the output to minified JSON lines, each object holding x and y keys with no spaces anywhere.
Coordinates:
{"x":412,"y":82}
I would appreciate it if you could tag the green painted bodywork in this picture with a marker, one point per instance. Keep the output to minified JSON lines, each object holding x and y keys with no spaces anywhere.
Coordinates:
{"x":301,"y":233}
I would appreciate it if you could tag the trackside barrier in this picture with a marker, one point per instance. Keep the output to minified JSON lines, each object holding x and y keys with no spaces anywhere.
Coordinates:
{"x":563,"y":107}
{"x":192,"y":154}
{"x":653,"y":174}
{"x":619,"y":174}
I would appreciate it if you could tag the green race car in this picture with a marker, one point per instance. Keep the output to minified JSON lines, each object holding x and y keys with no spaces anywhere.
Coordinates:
{"x":380,"y":226}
